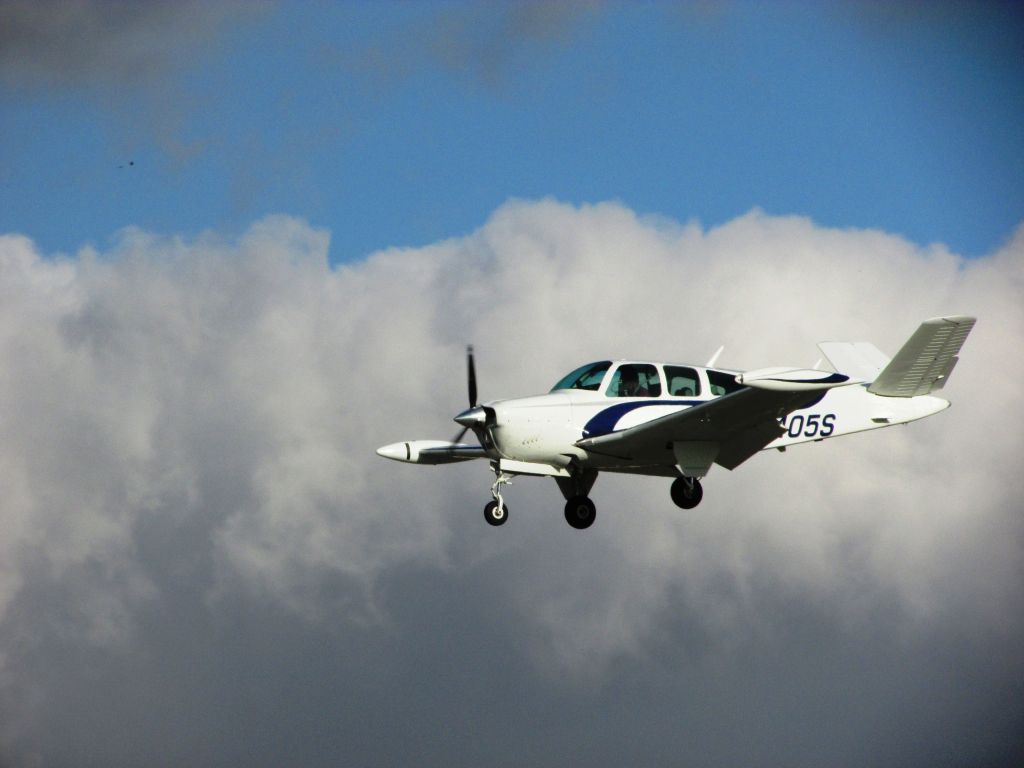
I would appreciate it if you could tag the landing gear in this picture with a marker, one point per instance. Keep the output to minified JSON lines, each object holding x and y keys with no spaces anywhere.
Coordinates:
{"x":687,"y":492}
{"x":580,"y":512}
{"x":496,"y":512}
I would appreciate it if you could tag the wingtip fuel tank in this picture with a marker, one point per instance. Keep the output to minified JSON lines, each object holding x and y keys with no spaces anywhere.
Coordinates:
{"x":430,"y":452}
{"x":794,"y":379}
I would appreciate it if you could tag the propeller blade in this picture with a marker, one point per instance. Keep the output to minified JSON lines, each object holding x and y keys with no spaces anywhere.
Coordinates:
{"x":460,"y":435}
{"x":471,"y":375}
{"x":471,"y":381}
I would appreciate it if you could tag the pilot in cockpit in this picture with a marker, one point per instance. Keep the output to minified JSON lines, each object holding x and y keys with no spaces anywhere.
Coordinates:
{"x":629,"y":383}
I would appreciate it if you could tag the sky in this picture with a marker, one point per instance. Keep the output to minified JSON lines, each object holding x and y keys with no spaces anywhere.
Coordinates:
{"x":243,"y":245}
{"x":400,"y":124}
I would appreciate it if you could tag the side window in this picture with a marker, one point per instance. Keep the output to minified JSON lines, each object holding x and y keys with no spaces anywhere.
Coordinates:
{"x":722,"y":383}
{"x":682,"y":382}
{"x":635,"y":380}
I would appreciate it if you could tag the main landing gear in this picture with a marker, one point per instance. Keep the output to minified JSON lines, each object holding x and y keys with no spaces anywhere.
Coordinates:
{"x":687,"y":492}
{"x":580,"y":512}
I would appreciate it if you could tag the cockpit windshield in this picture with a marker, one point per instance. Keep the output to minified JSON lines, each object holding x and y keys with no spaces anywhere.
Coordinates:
{"x":587,"y":376}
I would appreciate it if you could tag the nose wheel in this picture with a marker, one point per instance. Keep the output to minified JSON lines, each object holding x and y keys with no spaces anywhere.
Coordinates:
{"x":687,"y":492}
{"x":496,"y":512}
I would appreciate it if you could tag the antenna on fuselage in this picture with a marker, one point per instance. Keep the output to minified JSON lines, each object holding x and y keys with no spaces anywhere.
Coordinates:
{"x":714,"y":357}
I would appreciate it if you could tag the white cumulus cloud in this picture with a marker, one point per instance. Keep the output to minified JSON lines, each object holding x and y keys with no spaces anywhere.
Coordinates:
{"x":187,"y":427}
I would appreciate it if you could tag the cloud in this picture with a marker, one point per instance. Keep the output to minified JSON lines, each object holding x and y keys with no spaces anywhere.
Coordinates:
{"x":487,"y":45}
{"x":491,"y":46}
{"x":120,"y":58}
{"x":203,"y":560}
{"x":92,"y":43}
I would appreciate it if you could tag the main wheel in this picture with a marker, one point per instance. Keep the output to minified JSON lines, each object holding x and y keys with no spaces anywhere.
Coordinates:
{"x":580,"y":512}
{"x":685,"y":495}
{"x":494,"y":514}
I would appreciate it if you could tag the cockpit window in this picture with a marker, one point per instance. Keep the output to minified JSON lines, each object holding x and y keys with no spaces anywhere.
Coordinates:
{"x":587,"y":376}
{"x":635,"y":380}
{"x":722,"y":383}
{"x":682,"y":382}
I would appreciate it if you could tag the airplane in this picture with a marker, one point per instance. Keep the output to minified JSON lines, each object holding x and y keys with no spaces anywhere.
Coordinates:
{"x":676,"y":421}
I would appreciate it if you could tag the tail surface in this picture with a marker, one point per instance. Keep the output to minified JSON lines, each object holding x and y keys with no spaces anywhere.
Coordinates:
{"x":926,"y":360}
{"x":920,"y":367}
{"x":859,"y":359}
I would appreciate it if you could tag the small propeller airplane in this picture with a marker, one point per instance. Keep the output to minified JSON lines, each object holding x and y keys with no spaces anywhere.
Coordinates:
{"x":670,"y":420}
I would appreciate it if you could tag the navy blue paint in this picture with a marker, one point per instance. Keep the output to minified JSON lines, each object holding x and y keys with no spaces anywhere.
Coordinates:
{"x":604,"y":422}
{"x":817,"y":398}
{"x":833,"y":378}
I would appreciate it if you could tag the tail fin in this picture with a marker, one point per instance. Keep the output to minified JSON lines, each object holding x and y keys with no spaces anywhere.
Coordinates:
{"x":926,"y":360}
{"x":859,"y":359}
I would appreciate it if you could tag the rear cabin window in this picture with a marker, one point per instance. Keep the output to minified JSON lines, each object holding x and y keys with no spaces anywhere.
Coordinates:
{"x":635,"y":380}
{"x":587,"y":376}
{"x":722,"y":383}
{"x":682,"y":382}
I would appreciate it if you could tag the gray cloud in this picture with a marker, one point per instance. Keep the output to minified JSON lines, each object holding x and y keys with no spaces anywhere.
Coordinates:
{"x":204,"y":562}
{"x":491,"y":46}
{"x":57,"y":43}
{"x":488,"y":45}
{"x":125,"y":57}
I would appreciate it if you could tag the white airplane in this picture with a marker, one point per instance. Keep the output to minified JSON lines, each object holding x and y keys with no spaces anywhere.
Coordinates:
{"x":676,"y":421}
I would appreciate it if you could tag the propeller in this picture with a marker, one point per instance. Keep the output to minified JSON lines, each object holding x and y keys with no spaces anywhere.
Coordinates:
{"x":471,"y":382}
{"x":471,"y":376}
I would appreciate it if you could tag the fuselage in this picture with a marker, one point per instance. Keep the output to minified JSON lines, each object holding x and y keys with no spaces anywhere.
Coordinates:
{"x":544,"y":429}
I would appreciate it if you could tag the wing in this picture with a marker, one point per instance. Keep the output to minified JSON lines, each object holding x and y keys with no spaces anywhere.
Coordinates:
{"x":734,"y":426}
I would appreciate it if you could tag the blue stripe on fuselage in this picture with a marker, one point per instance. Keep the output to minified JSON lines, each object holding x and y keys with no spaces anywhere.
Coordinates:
{"x":605,"y":421}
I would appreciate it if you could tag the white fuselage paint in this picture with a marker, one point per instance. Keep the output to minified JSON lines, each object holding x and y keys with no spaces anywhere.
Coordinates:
{"x":544,"y":429}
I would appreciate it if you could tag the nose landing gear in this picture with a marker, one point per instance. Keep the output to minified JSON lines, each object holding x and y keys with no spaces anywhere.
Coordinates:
{"x":496,"y":512}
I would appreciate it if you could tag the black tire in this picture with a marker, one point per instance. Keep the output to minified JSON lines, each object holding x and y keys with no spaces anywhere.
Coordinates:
{"x":580,"y":512}
{"x":685,"y":496}
{"x":495,"y":516}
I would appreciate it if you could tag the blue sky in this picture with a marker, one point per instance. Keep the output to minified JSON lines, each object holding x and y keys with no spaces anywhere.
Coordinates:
{"x":398,"y":124}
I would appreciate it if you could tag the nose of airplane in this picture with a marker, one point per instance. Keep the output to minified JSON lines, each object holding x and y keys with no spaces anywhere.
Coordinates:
{"x":475,"y":416}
